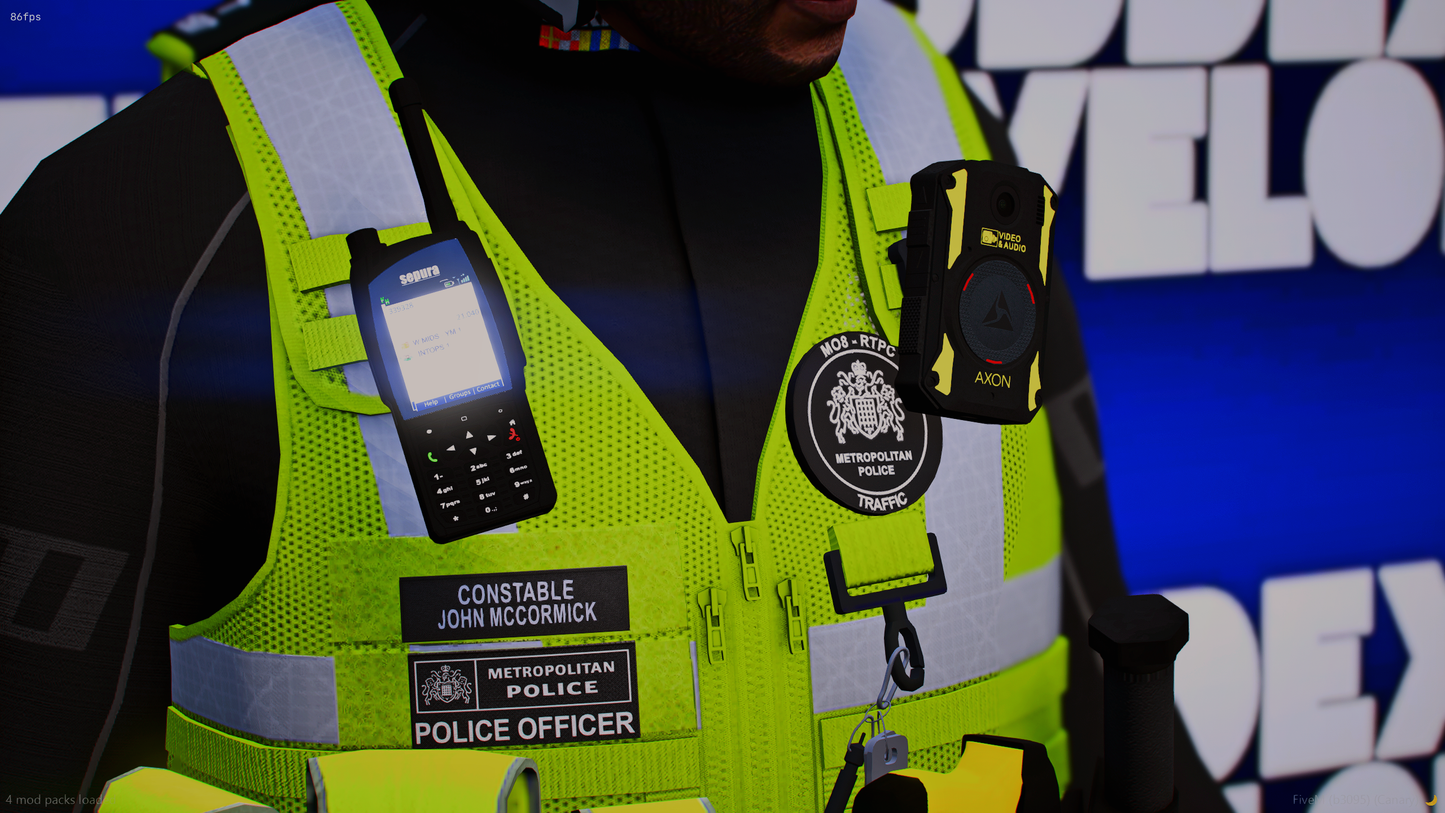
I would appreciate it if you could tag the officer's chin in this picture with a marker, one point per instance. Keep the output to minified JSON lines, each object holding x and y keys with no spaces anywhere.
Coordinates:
{"x":805,"y":37}
{"x":827,"y":12}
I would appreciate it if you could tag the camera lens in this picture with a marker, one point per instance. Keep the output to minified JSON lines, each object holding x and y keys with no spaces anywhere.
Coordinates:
{"x":1006,"y":205}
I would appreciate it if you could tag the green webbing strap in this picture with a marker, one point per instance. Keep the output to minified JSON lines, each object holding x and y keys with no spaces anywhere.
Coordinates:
{"x":613,"y":768}
{"x":882,"y":549}
{"x":890,"y":206}
{"x":326,"y":261}
{"x":978,"y":707}
{"x":238,"y":762}
{"x":320,"y":263}
{"x":863,"y":176}
{"x":333,"y":342}
{"x":157,"y":790}
{"x":585,"y":770}
{"x":435,"y":781}
{"x":174,"y":53}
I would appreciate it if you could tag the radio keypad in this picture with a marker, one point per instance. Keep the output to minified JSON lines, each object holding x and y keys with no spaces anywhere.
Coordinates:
{"x":475,"y":466}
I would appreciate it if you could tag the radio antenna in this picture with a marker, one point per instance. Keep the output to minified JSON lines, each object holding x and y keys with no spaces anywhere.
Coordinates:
{"x":406,"y":99}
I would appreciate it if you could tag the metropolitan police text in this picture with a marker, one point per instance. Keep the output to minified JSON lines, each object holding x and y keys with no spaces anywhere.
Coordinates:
{"x":528,"y":610}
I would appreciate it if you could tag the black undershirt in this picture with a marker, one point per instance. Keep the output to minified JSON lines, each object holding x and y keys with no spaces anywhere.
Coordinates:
{"x":676,"y":215}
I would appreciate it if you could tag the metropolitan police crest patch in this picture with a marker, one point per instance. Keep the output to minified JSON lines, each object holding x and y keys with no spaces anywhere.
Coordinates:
{"x":447,"y":685}
{"x":850,"y":431}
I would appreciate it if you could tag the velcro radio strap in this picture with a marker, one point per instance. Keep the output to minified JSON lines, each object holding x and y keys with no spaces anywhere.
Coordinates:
{"x":882,"y":549}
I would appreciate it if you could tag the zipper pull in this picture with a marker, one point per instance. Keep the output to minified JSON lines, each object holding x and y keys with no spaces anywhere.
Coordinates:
{"x":793,"y":617}
{"x":711,"y":601}
{"x":744,"y":539}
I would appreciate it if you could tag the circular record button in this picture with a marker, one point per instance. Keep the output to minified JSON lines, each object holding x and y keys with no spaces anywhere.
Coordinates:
{"x":997,"y":312}
{"x":850,"y":432}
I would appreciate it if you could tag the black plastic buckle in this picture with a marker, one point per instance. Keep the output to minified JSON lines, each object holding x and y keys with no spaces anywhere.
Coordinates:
{"x":895,"y":615}
{"x":936,"y":585}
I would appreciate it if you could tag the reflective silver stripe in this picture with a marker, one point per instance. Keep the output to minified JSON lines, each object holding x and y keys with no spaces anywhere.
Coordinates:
{"x":399,"y":502}
{"x":279,"y":697}
{"x":959,"y":629}
{"x":329,"y":123}
{"x":348,"y":165}
{"x":896,"y":92}
{"x":1028,"y":613}
{"x":393,"y":481}
{"x":983,"y":623}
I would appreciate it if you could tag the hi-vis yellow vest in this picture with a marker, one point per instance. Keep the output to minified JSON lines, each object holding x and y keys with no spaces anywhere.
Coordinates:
{"x":747,"y":682}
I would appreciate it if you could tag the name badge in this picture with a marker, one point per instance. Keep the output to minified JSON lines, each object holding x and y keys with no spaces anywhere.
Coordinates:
{"x":512,"y":605}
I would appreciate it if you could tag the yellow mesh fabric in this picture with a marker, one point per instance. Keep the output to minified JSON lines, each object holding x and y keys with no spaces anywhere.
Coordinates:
{"x":1015,"y":474}
{"x":618,"y":469}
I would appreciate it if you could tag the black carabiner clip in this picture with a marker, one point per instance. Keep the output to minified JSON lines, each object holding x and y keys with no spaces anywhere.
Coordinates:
{"x":895,"y":618}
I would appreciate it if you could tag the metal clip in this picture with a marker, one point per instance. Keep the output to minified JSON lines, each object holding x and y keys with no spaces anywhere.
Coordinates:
{"x":711,"y":601}
{"x":793,"y":617}
{"x":874,"y":714}
{"x":884,"y":753}
{"x":744,"y":545}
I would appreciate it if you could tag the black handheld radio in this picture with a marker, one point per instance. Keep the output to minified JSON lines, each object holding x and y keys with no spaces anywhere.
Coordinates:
{"x":975,"y":291}
{"x":448,"y":362}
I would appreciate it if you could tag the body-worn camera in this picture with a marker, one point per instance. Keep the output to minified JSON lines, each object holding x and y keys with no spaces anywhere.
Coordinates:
{"x":975,"y":281}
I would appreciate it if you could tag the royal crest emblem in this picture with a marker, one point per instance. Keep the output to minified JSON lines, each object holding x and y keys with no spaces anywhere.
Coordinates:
{"x":853,"y":437}
{"x":446,"y":685}
{"x":864,"y":404}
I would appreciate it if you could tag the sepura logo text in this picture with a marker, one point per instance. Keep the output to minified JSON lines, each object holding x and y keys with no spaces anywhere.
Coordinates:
{"x":420,"y":274}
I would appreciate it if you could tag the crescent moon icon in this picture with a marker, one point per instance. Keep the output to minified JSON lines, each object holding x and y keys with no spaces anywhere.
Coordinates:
{"x":1433,"y":800}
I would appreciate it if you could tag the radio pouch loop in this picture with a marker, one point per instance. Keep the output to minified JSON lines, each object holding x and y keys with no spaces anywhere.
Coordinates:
{"x":844,"y":602}
{"x":880,"y":550}
{"x":907,"y":674}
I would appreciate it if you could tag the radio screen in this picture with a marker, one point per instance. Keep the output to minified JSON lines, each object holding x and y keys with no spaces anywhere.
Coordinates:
{"x":436,"y":330}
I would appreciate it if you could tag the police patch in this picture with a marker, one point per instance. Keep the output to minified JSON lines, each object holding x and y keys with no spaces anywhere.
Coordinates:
{"x":850,"y":432}
{"x":512,"y":697}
